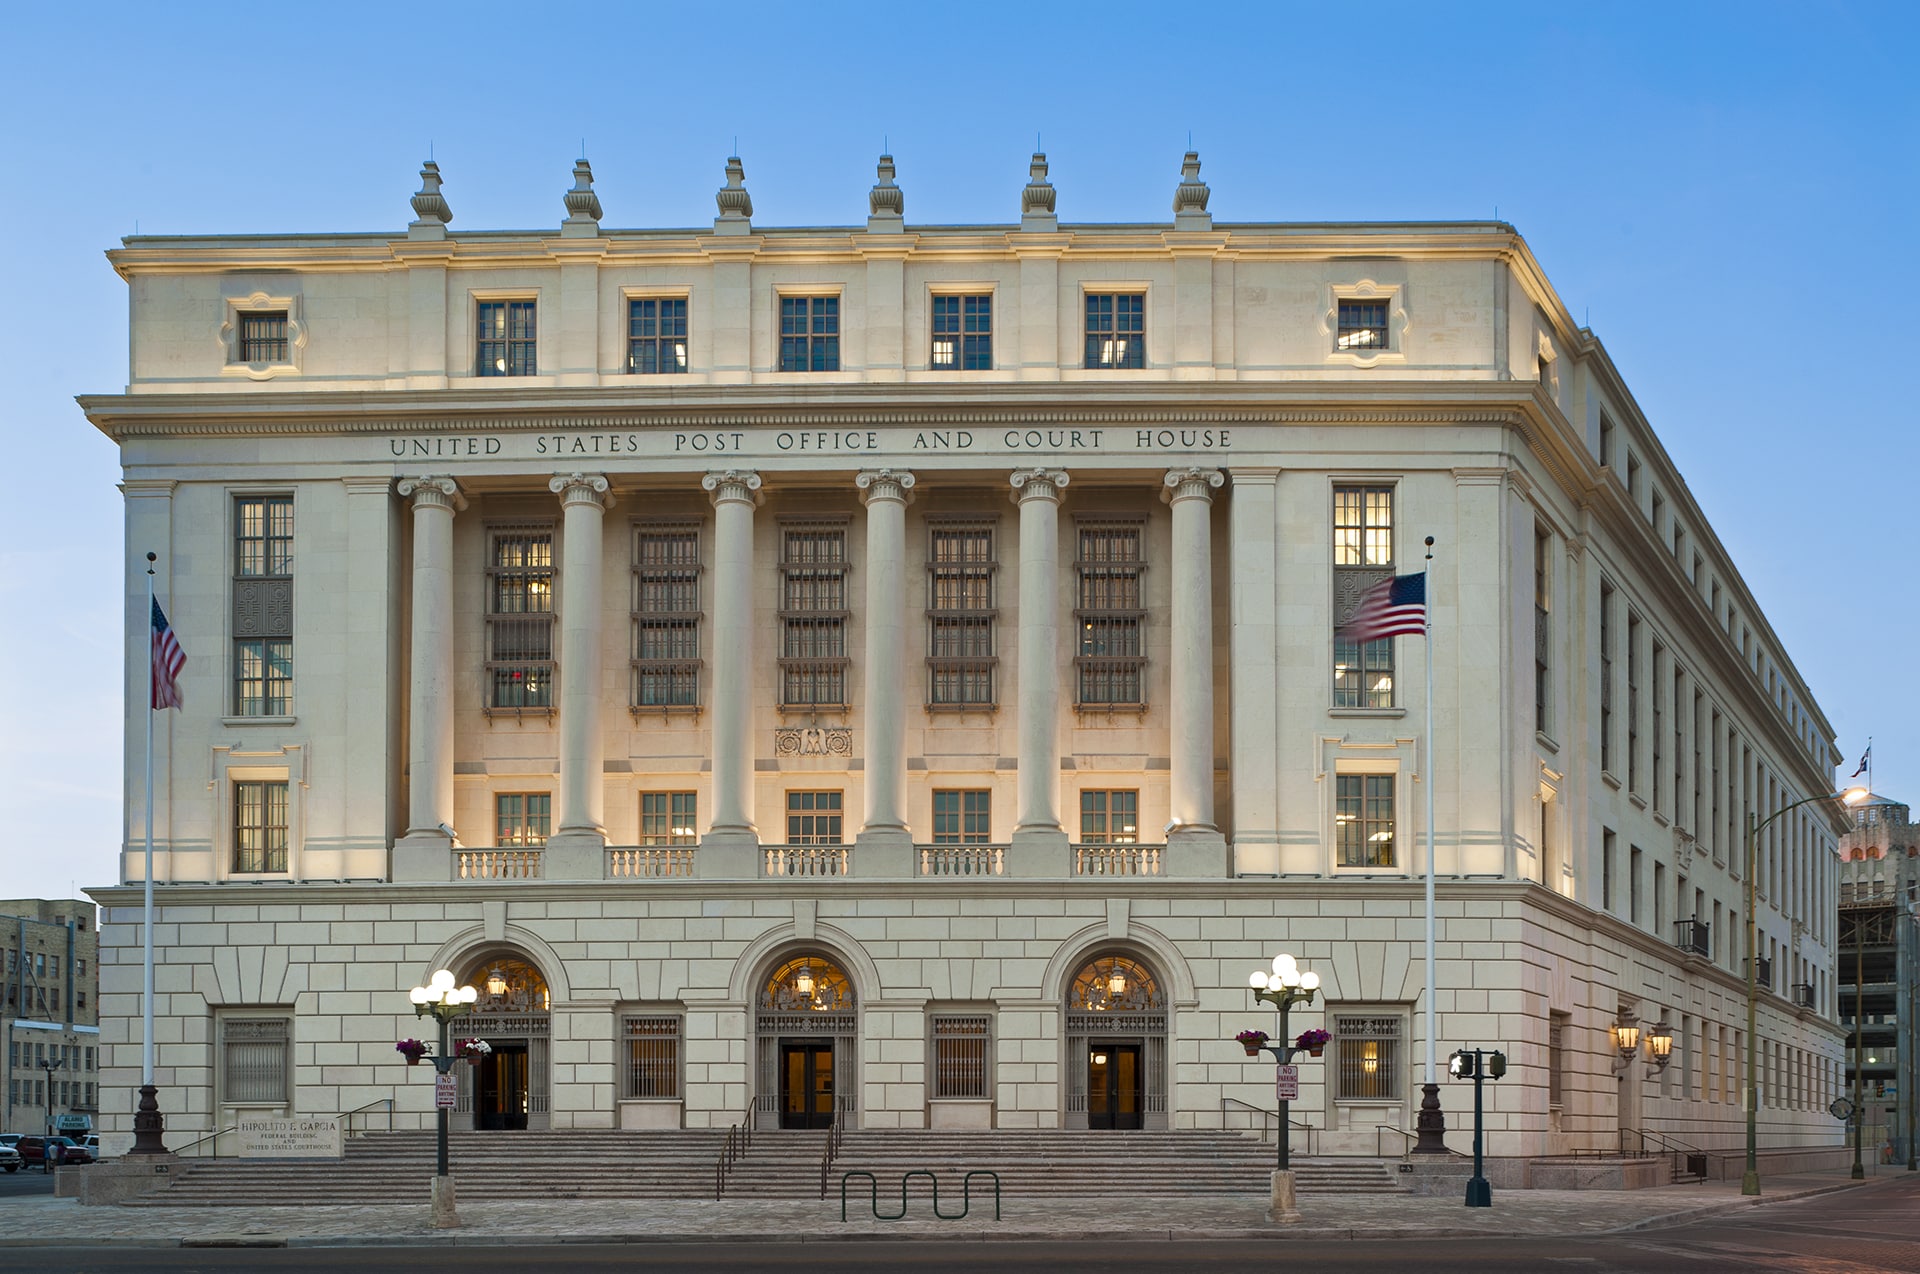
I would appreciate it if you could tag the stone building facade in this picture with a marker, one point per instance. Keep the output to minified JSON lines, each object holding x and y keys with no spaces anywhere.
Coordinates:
{"x":1878,"y":957}
{"x":50,"y":960}
{"x":889,"y":672}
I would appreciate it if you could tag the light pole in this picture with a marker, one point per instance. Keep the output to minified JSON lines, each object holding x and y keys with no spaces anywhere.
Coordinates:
{"x":1750,"y":1182}
{"x":1285,"y":986}
{"x":445,"y":1001}
{"x":50,"y":1065}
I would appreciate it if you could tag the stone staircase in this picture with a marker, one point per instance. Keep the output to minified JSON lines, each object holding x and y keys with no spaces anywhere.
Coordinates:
{"x":385,"y":1167}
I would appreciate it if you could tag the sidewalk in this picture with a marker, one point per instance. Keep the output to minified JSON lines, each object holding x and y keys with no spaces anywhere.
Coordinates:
{"x":63,"y":1223}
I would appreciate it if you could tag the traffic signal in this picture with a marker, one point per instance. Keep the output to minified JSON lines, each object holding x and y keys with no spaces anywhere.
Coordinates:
{"x":1462,"y":1065}
{"x":1496,"y":1064}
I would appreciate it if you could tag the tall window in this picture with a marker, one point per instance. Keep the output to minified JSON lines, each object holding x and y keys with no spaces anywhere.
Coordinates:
{"x":1606,"y":676}
{"x":1116,"y":329}
{"x":263,"y":606}
{"x":962,"y":333}
{"x":653,"y":1057}
{"x":1542,"y":632}
{"x":813,"y":818}
{"x":1633,"y":702}
{"x":522,"y":819}
{"x":809,"y":333}
{"x":962,"y":1049}
{"x":1557,"y":1057}
{"x":963,"y":817}
{"x":254,"y":1059}
{"x":1363,"y":819}
{"x":506,"y":338}
{"x":263,"y":336}
{"x":1367,"y":1057}
{"x":667,"y":818}
{"x":1110,"y":615}
{"x":666,"y":617}
{"x":1362,"y":326}
{"x":961,"y":616}
{"x":260,"y":826}
{"x":1633,"y":883}
{"x":1659,"y":735}
{"x":656,"y":336}
{"x":1109,"y":817}
{"x":520,"y":619}
{"x":1607,"y":867}
{"x":813,"y":616}
{"x":1362,"y":557}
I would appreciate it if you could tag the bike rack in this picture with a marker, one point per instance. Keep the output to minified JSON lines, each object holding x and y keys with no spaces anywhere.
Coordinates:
{"x":966,"y":1193}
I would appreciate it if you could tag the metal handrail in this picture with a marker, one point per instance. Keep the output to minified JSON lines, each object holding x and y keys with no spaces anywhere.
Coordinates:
{"x":1411,"y":1138}
{"x":1266,"y":1115}
{"x":832,"y":1151}
{"x":733,"y":1149}
{"x":1686,"y":1157}
{"x":378,"y":1101}
{"x":212,"y":1136}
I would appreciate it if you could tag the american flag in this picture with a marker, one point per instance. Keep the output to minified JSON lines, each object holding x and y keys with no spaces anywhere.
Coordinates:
{"x":168,"y":660}
{"x":1394,"y":607}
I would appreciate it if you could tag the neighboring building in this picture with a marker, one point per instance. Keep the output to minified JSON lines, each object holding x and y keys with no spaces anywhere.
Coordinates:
{"x":1879,"y":969}
{"x":52,"y":971}
{"x":892,"y":671}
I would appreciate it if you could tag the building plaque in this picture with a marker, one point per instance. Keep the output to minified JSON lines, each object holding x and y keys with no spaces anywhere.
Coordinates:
{"x":289,"y":1138}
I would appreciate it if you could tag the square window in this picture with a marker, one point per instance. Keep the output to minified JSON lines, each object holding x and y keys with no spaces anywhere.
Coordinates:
{"x":813,"y":818}
{"x":506,"y":336}
{"x":1116,"y":329}
{"x":653,"y":1057}
{"x":667,"y":818}
{"x":809,"y":333}
{"x":1363,"y":819}
{"x":962,"y":333}
{"x":963,"y":817}
{"x":1362,"y":326}
{"x":1109,"y":817}
{"x":656,"y":336}
{"x":260,"y":826}
{"x":522,"y":819}
{"x":263,"y":336}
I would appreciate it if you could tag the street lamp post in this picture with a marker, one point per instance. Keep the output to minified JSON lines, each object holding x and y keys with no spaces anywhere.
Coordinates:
{"x":50,"y":1065}
{"x":1285,"y":986}
{"x":1750,"y":1181}
{"x":445,"y":1001}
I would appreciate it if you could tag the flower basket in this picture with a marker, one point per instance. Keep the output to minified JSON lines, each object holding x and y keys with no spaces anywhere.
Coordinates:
{"x":1313,"y":1041}
{"x":411,"y":1049}
{"x":475,"y":1051}
{"x":1252,"y":1041}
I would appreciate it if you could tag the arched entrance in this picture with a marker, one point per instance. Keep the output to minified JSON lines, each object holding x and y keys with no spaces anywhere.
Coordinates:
{"x":806,"y":1033}
{"x":1116,"y":1039}
{"x":511,"y":1088}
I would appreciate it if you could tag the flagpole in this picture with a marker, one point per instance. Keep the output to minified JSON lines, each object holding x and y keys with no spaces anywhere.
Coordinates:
{"x":1431,"y":1123}
{"x":147,"y":1124}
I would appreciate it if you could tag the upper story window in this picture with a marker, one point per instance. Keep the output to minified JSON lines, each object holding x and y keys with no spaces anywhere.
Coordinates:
{"x":260,"y":826}
{"x":1109,"y":817}
{"x":520,"y":619}
{"x":263,"y":606}
{"x":963,"y":817}
{"x":522,"y":819}
{"x":656,"y":335}
{"x":813,"y":616}
{"x":1116,"y":329}
{"x":263,"y":535}
{"x":1362,"y":557}
{"x":263,"y":336}
{"x":813,"y":818}
{"x":666,"y":617}
{"x":961,"y":616}
{"x":506,"y":338}
{"x":1542,"y":629}
{"x":1111,"y":616}
{"x":962,"y":333}
{"x":1363,"y":819}
{"x":809,"y":333}
{"x":1362,"y":326}
{"x":668,"y":818}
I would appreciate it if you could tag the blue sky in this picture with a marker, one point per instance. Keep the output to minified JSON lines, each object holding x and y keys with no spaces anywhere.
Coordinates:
{"x":1723,"y":191}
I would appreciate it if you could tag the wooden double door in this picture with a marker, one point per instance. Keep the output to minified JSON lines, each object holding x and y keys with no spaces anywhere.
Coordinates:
{"x":1116,"y":1086}
{"x":806,"y":1084}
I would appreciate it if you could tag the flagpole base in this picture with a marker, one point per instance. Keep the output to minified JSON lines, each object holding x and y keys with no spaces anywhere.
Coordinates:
{"x":1431,"y":1123}
{"x":148,"y":1126}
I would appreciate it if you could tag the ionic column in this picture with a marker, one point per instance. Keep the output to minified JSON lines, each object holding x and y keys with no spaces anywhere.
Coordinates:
{"x":1037,"y":796}
{"x":581,"y":825}
{"x":733,"y":493}
{"x":422,"y":853}
{"x":885,"y":493}
{"x":1190,"y":743}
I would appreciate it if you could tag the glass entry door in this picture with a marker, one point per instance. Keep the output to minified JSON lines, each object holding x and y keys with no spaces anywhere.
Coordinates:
{"x":500,"y":1098}
{"x":806,"y":1085}
{"x":1115,"y":1094}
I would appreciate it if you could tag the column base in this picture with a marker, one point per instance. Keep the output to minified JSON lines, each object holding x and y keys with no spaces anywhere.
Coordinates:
{"x":1040,"y":852}
{"x":1196,"y":853}
{"x":445,"y":1215}
{"x":728,"y":854}
{"x":575,"y":854}
{"x":1282,"y":1204}
{"x":149,"y":1126}
{"x":884,"y":851}
{"x":423,"y":855}
{"x":1431,"y":1123}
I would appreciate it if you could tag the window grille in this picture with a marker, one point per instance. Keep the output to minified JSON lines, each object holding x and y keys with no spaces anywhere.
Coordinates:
{"x":1111,"y":659}
{"x":254,"y":1054}
{"x":961,"y":618}
{"x":260,"y":826}
{"x":507,"y":339}
{"x":1556,"y":1058}
{"x":1362,"y":326}
{"x":263,"y":337}
{"x":520,"y":665}
{"x":1109,"y":817}
{"x":1606,"y":676}
{"x":653,"y":1057}
{"x":813,"y":818}
{"x":667,"y":818}
{"x":962,"y":333}
{"x":1367,"y":1058}
{"x":962,"y":1048}
{"x":1116,"y":329}
{"x":522,"y":819}
{"x":1362,"y":557}
{"x":1363,"y":819}
{"x":813,"y":616}
{"x":666,"y":618}
{"x":809,"y":333}
{"x":963,"y":817}
{"x":656,"y":336}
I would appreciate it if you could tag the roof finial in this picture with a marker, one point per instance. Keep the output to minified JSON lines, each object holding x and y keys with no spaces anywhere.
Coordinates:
{"x":1190,"y":196}
{"x":886,"y":204}
{"x":583,"y":206}
{"x":429,"y":206}
{"x":736,"y":205}
{"x":1036,"y":200}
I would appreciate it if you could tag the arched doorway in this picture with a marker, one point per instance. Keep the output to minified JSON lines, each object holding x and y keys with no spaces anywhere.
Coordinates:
{"x":1116,"y":1039}
{"x":806,"y":1032}
{"x":511,"y":1088}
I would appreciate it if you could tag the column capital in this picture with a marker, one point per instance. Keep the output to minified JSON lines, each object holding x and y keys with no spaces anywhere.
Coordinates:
{"x":433,"y":493}
{"x":1037,"y":484}
{"x":884,"y":484}
{"x":732,"y":484}
{"x":1191,"y":483}
{"x":581,"y":488}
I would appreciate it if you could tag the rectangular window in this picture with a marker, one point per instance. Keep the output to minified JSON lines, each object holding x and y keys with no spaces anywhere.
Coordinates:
{"x":1606,"y":676}
{"x":1633,"y":883}
{"x":1362,"y":558}
{"x":962,"y":1047}
{"x":667,"y":818}
{"x":809,"y":333}
{"x":254,"y":1059}
{"x":263,"y":678}
{"x":962,"y":333}
{"x":1607,"y":868}
{"x":505,"y":339}
{"x":1362,"y":326}
{"x":1366,"y":1058}
{"x":1109,"y":818}
{"x":656,"y":336}
{"x":1116,"y":329}
{"x":522,"y":819}
{"x":1633,"y":702}
{"x":1557,"y":1058}
{"x":263,"y":606}
{"x":1110,"y":614}
{"x":813,"y":616}
{"x":666,"y":617}
{"x":263,"y":336}
{"x":963,"y":817}
{"x":813,"y":818}
{"x":961,"y":616}
{"x":1542,"y":633}
{"x":260,"y":826}
{"x":1363,"y":819}
{"x":653,"y":1057}
{"x":520,"y":620}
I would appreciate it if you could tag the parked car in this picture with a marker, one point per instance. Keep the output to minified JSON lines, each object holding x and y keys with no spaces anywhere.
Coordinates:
{"x":92,"y":1142}
{"x":51,"y":1152}
{"x":10,"y":1139}
{"x":9,"y":1158}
